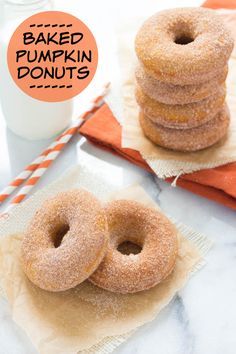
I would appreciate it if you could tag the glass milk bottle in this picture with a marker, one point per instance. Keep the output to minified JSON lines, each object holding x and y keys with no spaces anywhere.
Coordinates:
{"x":25,"y":116}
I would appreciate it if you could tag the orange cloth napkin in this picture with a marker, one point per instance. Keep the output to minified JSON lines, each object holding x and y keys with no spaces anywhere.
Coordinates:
{"x":218,"y":184}
{"x":220,"y":4}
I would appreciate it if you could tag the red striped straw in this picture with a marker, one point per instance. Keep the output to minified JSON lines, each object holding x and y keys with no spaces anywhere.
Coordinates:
{"x":40,"y":165}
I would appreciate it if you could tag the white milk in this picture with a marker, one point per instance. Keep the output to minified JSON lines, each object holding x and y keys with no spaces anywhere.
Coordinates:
{"x":25,"y":116}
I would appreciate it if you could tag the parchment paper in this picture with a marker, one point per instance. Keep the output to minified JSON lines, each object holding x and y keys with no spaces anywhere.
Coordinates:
{"x":86,"y":318}
{"x":167,"y":163}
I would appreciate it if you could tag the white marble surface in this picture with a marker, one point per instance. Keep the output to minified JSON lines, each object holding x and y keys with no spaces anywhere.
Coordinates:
{"x":202,"y":318}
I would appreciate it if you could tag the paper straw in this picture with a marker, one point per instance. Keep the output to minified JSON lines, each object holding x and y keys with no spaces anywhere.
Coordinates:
{"x":40,"y":165}
{"x":24,"y":175}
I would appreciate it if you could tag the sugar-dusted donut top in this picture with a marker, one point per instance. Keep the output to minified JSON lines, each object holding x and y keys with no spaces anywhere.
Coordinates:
{"x":183,"y":43}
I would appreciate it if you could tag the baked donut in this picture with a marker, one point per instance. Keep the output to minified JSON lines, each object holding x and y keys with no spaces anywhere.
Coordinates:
{"x":184,"y":46}
{"x":65,"y":241}
{"x":187,"y":139}
{"x":152,"y":232}
{"x":176,"y":94}
{"x":181,"y":116}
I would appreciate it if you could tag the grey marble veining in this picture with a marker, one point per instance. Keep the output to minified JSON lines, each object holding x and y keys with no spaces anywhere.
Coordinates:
{"x":201,"y":319}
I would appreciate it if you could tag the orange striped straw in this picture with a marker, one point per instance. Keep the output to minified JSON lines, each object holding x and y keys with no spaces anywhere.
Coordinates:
{"x":7,"y":191}
{"x":40,"y":165}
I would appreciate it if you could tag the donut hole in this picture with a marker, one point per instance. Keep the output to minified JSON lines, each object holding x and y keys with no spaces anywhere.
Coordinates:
{"x":183,"y":39}
{"x":59,"y":234}
{"x":183,"y":33}
{"x":129,"y":247}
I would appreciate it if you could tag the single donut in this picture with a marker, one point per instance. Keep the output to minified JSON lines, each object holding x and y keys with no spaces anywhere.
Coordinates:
{"x":65,"y":241}
{"x":181,"y":116}
{"x":184,"y":46}
{"x":143,"y":227}
{"x":187,"y":139}
{"x":176,"y":94}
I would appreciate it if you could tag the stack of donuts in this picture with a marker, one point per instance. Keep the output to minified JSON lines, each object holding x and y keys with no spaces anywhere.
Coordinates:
{"x":180,"y":79}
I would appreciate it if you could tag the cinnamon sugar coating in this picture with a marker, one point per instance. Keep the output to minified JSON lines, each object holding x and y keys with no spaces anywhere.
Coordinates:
{"x":177,"y":94}
{"x":184,"y":46}
{"x":193,"y":139}
{"x":55,"y":262}
{"x":181,"y":116}
{"x":146,"y":227}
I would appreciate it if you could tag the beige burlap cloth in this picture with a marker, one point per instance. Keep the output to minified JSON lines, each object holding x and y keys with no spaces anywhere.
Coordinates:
{"x":167,"y":163}
{"x":85,"y":319}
